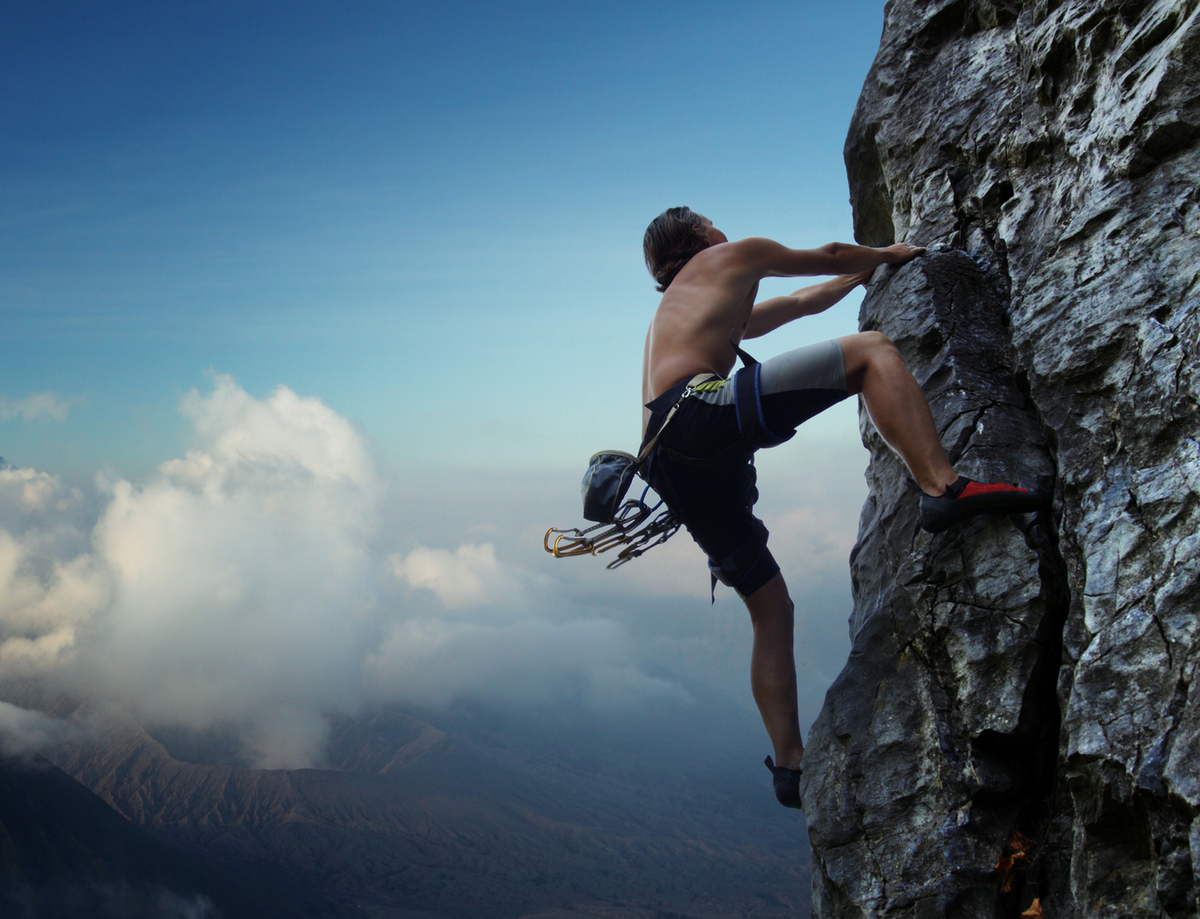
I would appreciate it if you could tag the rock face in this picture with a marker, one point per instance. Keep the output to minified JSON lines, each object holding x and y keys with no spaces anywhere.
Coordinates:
{"x":1028,"y":675}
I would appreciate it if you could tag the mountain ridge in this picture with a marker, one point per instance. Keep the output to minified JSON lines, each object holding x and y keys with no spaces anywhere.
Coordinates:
{"x":451,"y":828}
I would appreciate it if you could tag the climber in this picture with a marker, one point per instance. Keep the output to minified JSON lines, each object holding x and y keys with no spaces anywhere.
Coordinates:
{"x":702,"y":465}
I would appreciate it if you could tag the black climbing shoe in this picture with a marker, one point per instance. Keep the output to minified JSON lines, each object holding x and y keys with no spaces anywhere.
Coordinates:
{"x":966,"y":499}
{"x":787,"y":784}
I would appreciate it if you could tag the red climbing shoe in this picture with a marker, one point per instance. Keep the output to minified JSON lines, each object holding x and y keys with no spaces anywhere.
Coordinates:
{"x":787,"y":784}
{"x":966,"y":499}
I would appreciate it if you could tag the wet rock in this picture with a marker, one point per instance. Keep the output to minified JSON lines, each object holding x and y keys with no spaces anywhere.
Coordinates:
{"x":1028,"y":674}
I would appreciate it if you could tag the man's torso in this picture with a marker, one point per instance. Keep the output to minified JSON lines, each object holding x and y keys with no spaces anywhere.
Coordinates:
{"x":690,"y":334}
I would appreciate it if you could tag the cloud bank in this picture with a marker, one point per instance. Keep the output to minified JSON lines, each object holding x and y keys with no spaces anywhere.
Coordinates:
{"x":254,"y":582}
{"x":23,"y":732}
{"x":38,"y":405}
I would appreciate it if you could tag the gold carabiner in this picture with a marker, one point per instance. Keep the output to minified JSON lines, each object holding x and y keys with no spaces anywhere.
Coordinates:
{"x":623,"y":531}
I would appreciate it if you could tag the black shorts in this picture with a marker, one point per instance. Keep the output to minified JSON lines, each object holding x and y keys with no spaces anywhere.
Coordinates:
{"x":703,"y":465}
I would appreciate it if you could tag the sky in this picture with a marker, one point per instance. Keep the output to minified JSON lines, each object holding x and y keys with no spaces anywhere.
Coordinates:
{"x":313,"y":314}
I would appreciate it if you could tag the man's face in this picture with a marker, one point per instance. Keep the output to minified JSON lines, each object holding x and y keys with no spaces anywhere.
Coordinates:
{"x":711,"y":233}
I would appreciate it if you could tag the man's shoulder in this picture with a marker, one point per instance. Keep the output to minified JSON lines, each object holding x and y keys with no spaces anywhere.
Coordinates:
{"x":753,"y":255}
{"x":751,"y":249}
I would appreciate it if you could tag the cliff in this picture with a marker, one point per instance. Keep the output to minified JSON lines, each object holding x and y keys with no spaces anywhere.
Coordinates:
{"x":1027,"y":676}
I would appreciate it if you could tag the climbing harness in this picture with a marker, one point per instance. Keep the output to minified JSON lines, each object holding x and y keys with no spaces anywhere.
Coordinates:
{"x":747,"y":402}
{"x":636,"y":526}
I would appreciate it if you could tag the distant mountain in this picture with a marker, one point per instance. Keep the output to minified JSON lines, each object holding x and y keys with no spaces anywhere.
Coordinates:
{"x":66,"y":853}
{"x":417,"y":822}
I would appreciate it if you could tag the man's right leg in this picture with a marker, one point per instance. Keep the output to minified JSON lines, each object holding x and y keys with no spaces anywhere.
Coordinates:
{"x":897,"y":407}
{"x":901,"y":415}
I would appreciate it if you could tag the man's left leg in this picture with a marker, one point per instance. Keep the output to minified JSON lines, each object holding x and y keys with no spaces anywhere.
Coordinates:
{"x":897,"y":407}
{"x":773,"y":669}
{"x":773,"y":682}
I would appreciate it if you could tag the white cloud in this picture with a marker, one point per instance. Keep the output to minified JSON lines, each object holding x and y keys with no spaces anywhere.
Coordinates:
{"x":24,"y":732}
{"x":244,"y":588}
{"x":531,"y":662}
{"x":26,"y":490}
{"x":252,"y":582}
{"x":469,"y":576}
{"x":45,"y":593}
{"x":38,"y":405}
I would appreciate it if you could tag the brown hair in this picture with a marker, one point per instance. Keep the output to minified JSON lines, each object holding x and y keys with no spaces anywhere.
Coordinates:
{"x":672,"y":238}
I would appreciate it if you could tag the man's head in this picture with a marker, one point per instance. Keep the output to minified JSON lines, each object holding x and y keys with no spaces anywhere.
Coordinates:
{"x":672,"y":238}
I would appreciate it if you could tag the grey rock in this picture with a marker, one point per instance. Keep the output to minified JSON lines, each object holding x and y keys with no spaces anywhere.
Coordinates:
{"x":1028,"y":674}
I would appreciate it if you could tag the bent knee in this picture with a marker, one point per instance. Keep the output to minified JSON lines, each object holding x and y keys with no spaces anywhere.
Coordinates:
{"x":866,"y":342}
{"x":864,"y":350}
{"x":878,"y":342}
{"x":880,"y":351}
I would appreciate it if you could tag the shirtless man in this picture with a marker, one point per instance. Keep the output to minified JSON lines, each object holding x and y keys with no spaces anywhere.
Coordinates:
{"x":702,"y":464}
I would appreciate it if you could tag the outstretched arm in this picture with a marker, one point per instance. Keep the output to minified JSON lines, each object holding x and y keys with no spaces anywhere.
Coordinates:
{"x":767,"y":258}
{"x":769,"y":315}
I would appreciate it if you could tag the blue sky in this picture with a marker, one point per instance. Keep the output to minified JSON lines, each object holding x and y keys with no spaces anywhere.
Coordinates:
{"x":424,"y":222}
{"x":427,"y":215}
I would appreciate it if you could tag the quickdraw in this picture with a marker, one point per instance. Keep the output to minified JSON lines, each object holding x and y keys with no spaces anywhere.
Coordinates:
{"x":636,"y":527}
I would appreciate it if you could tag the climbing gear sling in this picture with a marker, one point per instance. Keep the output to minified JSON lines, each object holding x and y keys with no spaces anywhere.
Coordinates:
{"x":621,"y":523}
{"x":635,"y":526}
{"x":609,"y":474}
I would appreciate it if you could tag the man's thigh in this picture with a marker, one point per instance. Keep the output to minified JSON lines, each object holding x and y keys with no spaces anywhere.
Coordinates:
{"x":802,"y":383}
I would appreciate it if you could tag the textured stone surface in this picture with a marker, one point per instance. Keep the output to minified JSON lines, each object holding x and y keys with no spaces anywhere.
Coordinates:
{"x":1028,"y":674}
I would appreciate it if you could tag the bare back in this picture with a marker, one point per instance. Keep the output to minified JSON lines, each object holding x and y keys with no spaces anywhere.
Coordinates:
{"x":711,"y":296}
